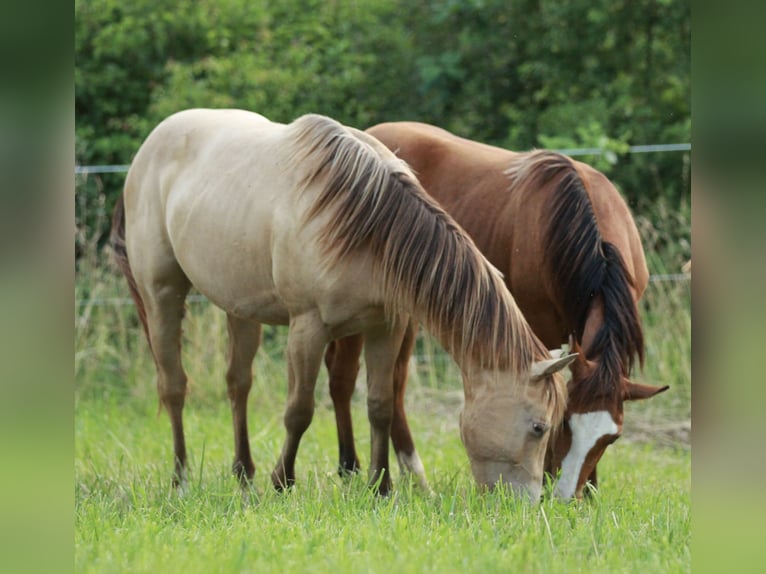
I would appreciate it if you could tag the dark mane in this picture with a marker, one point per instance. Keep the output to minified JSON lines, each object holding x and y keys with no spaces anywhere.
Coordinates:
{"x":427,"y":263}
{"x":584,"y":266}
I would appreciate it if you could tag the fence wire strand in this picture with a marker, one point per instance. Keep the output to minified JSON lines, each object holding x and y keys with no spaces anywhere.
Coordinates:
{"x":650,"y":148}
{"x":121,"y":301}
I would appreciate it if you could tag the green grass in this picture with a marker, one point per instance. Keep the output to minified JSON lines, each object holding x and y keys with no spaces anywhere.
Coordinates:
{"x":128,"y":519}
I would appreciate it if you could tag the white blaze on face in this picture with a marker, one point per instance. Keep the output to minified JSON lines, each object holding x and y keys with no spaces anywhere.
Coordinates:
{"x":586,"y":429}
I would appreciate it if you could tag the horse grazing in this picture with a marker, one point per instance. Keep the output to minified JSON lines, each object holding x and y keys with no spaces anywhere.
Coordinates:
{"x":320,"y":227}
{"x":571,"y":255}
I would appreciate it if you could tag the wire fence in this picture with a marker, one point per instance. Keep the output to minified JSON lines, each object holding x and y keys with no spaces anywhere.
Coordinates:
{"x":651,"y":148}
{"x":120,"y":301}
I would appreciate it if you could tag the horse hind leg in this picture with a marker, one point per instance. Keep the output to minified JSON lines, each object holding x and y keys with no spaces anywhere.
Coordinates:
{"x":164,"y":302}
{"x":244,"y":339}
{"x":342,"y":360}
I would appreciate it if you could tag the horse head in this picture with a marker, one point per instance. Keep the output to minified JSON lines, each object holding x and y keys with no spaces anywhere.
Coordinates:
{"x":506,"y":427}
{"x":592,"y":422}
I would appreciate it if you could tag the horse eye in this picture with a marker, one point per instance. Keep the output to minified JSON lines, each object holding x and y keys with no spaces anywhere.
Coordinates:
{"x":538,"y":429}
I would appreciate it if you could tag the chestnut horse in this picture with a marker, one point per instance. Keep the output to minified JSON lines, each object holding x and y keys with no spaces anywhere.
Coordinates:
{"x":570,"y":253}
{"x":320,"y":227}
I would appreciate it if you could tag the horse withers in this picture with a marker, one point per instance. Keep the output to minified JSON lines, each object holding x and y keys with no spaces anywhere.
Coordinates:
{"x":320,"y":227}
{"x":570,"y":253}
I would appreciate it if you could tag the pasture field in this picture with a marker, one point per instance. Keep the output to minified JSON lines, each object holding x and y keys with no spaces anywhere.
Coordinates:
{"x":128,"y":520}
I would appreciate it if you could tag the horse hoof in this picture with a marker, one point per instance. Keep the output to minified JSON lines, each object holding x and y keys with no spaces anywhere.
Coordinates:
{"x":281,"y":482}
{"x":382,"y":490}
{"x":381,"y":485}
{"x":180,"y":481}
{"x":243,"y":472}
{"x":347,"y":469}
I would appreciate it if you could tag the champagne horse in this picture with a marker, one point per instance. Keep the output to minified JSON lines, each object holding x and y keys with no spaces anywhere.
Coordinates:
{"x":320,"y":227}
{"x":570,"y":253}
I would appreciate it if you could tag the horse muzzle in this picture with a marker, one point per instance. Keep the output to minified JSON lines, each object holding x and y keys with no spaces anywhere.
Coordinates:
{"x":493,"y":474}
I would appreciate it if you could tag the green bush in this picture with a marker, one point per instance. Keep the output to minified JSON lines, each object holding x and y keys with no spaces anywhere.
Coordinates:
{"x":516,"y":74}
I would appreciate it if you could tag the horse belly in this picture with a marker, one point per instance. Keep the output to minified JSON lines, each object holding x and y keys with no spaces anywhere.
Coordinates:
{"x":359,"y":322}
{"x":227,"y":257}
{"x":245,"y":291}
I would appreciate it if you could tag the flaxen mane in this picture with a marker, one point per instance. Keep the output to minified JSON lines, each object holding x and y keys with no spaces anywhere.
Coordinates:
{"x":427,"y":262}
{"x":582,"y":266}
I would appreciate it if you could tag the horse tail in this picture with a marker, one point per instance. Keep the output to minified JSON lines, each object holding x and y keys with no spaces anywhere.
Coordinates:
{"x":117,"y":241}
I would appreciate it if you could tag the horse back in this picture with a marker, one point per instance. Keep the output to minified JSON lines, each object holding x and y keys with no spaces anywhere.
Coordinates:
{"x":204,"y":193}
{"x":464,"y":176}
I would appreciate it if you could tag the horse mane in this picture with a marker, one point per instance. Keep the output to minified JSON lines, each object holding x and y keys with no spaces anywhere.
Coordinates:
{"x":582,"y":266}
{"x":427,"y":263}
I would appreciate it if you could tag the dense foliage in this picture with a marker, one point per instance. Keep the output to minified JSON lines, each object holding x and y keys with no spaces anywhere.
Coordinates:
{"x":514,"y":73}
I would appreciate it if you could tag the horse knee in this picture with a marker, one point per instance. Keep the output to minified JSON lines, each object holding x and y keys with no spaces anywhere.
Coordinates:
{"x":298,"y":417}
{"x":172,"y":394}
{"x":380,"y":411}
{"x":238,"y":385}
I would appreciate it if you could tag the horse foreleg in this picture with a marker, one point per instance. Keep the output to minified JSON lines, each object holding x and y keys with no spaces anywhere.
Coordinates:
{"x":404,"y":446}
{"x":244,"y":338}
{"x":342,"y":360}
{"x":381,"y":348}
{"x":306,"y":341}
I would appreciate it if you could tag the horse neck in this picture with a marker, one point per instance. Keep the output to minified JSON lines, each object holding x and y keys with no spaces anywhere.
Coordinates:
{"x":593,"y":323}
{"x":610,"y":365}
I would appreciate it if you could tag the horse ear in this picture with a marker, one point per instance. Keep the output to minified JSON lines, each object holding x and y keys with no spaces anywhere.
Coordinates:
{"x":574,"y":347}
{"x":573,"y":344}
{"x":580,"y":365}
{"x":636,"y":391}
{"x":556,"y":353}
{"x":542,"y":369}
